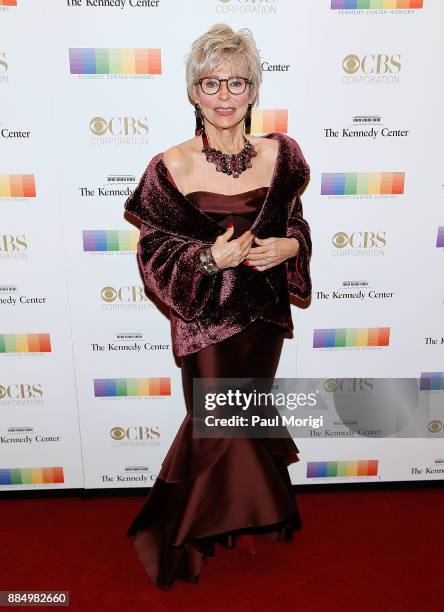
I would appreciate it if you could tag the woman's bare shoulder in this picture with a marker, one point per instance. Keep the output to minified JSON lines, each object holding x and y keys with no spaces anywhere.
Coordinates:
{"x":178,"y":158}
{"x":267,"y":148}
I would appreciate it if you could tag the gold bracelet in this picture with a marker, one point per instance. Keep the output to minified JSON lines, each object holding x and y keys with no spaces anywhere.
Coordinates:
{"x":207,"y":264}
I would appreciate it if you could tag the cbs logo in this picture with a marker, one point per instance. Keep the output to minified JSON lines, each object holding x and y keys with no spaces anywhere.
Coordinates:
{"x":435,"y":426}
{"x":20,"y":391}
{"x":347,"y":384}
{"x":378,"y":63}
{"x":359,"y":240}
{"x":123,"y":294}
{"x":141,"y":432}
{"x":10,"y":243}
{"x":119,"y":126}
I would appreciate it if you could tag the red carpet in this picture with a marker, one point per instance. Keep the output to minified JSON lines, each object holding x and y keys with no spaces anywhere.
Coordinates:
{"x":358,"y":551}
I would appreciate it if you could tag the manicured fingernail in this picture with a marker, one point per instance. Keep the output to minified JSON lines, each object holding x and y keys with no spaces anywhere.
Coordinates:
{"x":230,"y":225}
{"x":254,"y":268}
{"x":247,"y":263}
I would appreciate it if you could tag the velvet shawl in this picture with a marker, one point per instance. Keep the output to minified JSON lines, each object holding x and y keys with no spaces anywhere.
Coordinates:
{"x":208,"y":308}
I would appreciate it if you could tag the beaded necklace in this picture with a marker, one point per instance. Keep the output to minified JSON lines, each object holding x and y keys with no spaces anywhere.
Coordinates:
{"x":233,"y":164}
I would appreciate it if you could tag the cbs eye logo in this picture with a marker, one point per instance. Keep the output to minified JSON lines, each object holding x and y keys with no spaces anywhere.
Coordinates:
{"x":377,"y":63}
{"x":346,"y":385}
{"x":98,"y":126}
{"x":109,"y":294}
{"x":130,"y":293}
{"x":118,"y":433}
{"x":359,"y":240}
{"x":135,"y":432}
{"x":340,"y":240}
{"x":119,"y":126}
{"x":435,"y":426}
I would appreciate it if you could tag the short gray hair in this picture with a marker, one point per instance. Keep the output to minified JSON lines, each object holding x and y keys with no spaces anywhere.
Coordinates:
{"x":219,"y":44}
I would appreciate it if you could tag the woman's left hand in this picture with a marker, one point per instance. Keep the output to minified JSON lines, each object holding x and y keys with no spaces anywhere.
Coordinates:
{"x":271,"y":252}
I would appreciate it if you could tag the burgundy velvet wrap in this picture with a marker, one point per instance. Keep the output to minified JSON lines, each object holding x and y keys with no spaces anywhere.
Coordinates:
{"x":209,"y":308}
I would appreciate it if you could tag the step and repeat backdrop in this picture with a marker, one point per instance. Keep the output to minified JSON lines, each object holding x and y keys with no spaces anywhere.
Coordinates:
{"x":90,"y":90}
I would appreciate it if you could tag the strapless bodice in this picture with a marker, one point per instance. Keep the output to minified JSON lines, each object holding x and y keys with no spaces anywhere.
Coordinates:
{"x":240,"y":209}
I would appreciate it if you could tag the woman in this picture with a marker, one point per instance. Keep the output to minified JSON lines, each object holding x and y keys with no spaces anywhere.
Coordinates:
{"x":222,"y":242}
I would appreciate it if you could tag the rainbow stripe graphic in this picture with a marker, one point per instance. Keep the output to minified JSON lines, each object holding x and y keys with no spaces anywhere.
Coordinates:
{"x":110,"y":240}
{"x":376,"y":4}
{"x":17,"y":186}
{"x":265,"y":121}
{"x":33,"y":475}
{"x":351,"y":336}
{"x":361,"y":467}
{"x":115,"y":61}
{"x":126,"y":387}
{"x":8,"y":2}
{"x":440,"y":237}
{"x":432,"y":381}
{"x":362,"y":183}
{"x":25,"y":343}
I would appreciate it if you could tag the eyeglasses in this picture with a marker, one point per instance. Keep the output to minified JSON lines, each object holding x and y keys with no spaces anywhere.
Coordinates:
{"x":211,"y":85}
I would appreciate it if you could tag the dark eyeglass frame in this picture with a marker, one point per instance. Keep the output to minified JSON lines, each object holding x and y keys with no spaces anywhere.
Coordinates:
{"x":244,"y":79}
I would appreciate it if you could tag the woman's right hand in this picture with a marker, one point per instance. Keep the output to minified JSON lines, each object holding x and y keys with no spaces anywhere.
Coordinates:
{"x":230,"y":253}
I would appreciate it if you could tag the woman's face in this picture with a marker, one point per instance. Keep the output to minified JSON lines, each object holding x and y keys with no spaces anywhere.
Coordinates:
{"x":224,"y":109}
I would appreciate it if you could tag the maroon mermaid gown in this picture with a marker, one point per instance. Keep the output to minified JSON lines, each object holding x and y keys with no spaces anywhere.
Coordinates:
{"x":218,"y":490}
